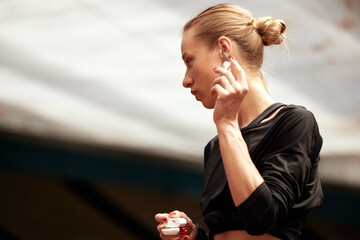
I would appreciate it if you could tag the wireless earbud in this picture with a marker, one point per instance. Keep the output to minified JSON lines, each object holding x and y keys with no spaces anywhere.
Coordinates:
{"x":226,"y":64}
{"x":224,"y":56}
{"x":172,"y":226}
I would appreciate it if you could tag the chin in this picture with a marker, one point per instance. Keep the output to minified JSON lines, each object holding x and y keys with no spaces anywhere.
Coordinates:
{"x":208,"y":105}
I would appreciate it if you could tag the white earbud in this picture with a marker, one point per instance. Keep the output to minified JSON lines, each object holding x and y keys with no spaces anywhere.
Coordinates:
{"x":226,"y":65}
{"x":172,"y":226}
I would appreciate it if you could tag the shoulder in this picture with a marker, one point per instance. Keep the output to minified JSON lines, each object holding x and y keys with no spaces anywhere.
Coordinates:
{"x":297,"y":116}
{"x":213,"y":143}
{"x":297,"y":126}
{"x":297,"y":111}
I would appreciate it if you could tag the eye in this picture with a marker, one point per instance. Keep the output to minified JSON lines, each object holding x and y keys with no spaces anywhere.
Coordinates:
{"x":188,"y":62}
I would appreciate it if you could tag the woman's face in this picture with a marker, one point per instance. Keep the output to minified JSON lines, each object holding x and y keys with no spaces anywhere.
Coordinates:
{"x":199,"y":61}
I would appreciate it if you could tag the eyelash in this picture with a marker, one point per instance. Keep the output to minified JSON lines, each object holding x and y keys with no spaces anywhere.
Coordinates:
{"x":187,"y":62}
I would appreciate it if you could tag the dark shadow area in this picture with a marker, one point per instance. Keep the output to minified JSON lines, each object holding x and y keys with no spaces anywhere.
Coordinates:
{"x":96,"y":200}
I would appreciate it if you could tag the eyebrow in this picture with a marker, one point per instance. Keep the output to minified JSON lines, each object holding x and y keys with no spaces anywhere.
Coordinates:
{"x":183,"y":56}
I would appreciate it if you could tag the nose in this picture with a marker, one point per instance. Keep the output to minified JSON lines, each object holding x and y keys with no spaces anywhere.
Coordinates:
{"x":187,"y":81}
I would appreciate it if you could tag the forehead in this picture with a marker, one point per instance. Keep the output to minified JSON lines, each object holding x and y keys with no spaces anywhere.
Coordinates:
{"x":189,"y":40}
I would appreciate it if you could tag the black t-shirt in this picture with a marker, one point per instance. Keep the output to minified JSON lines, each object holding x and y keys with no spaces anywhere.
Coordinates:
{"x":285,"y":150}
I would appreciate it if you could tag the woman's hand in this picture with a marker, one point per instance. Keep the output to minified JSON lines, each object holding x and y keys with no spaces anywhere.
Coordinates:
{"x":230,"y":88}
{"x":186,"y":233}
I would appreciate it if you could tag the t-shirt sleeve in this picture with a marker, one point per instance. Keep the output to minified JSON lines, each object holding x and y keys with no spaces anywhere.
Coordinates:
{"x":285,"y":172}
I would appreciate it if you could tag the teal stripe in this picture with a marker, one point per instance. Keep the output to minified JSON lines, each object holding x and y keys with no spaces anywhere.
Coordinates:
{"x":124,"y":168}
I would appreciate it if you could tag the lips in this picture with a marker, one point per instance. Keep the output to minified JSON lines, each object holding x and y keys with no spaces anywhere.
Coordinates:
{"x":195,"y":93}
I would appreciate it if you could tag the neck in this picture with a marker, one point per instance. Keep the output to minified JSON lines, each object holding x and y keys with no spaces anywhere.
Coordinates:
{"x":255,"y":101}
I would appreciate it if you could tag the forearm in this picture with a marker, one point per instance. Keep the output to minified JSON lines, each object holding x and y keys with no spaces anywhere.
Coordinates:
{"x":242,"y":175}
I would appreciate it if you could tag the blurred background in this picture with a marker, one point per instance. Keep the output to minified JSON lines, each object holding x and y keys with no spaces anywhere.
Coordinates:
{"x":97,"y":133}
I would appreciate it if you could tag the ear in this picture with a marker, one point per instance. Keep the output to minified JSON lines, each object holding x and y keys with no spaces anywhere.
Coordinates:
{"x":225,"y":45}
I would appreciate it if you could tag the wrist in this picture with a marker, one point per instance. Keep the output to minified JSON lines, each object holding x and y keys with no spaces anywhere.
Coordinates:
{"x":225,"y":126}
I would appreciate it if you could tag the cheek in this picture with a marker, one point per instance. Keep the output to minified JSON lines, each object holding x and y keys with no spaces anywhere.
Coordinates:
{"x":204,"y":81}
{"x":204,"y":76}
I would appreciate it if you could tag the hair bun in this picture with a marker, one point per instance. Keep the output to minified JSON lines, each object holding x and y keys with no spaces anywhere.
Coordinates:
{"x":271,"y":30}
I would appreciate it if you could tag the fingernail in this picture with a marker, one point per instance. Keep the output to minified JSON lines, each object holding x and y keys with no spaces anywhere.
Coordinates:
{"x":165,"y":219}
{"x":186,"y":238}
{"x":214,"y":68}
{"x":232,"y":57}
{"x":172,"y":213}
{"x":184,"y":232}
{"x":182,"y":229}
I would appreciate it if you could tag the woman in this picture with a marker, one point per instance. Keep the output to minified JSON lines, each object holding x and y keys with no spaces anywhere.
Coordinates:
{"x":261,"y":177}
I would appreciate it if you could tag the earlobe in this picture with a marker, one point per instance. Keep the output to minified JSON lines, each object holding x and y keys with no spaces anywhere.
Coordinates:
{"x":226,"y":63}
{"x":223,"y":55}
{"x":225,"y":46}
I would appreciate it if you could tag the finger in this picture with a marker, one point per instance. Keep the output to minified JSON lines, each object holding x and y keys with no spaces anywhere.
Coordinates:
{"x":238,"y":72}
{"x":183,"y":231}
{"x":222,"y":81}
{"x":169,"y":237}
{"x":227,"y":73}
{"x":174,"y":214}
{"x":218,"y":90}
{"x":159,"y":227}
{"x":161,"y":217}
{"x":178,"y":214}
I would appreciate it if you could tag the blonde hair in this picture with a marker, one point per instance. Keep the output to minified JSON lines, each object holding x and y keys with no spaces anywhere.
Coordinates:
{"x":250,"y":34}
